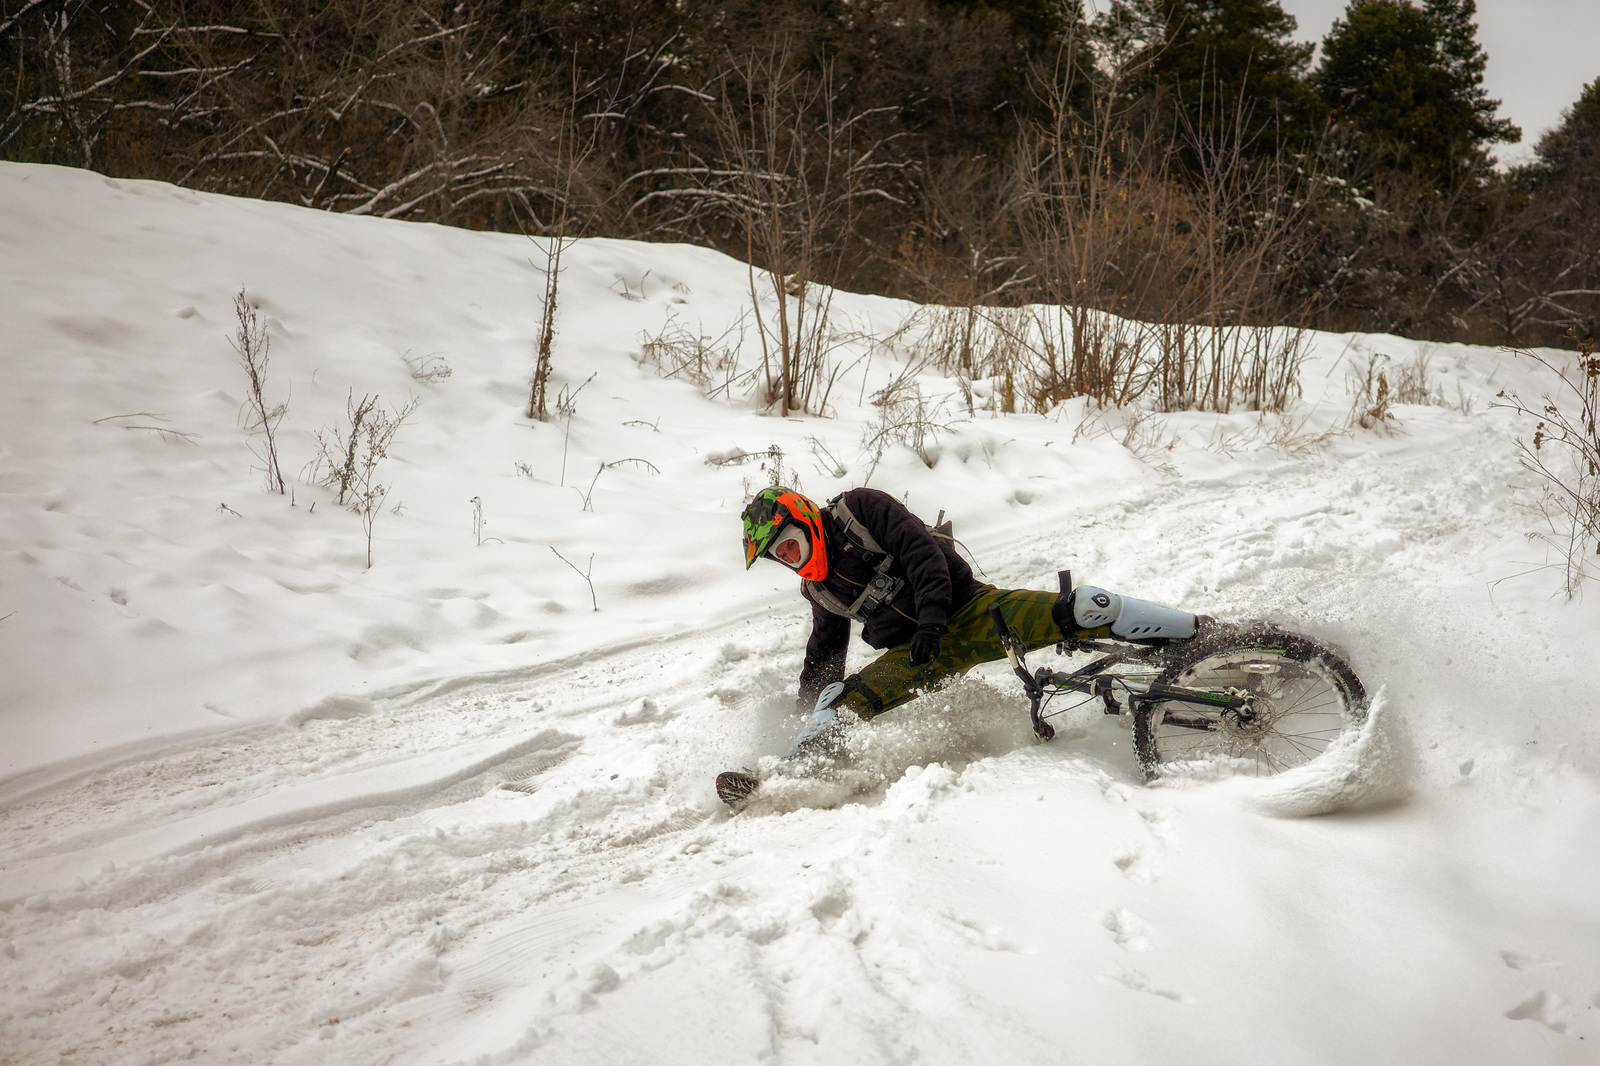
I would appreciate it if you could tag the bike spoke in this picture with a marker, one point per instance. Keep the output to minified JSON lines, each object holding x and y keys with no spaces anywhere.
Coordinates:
{"x":1298,"y":712}
{"x":1304,"y":749}
{"x":1277,"y":767}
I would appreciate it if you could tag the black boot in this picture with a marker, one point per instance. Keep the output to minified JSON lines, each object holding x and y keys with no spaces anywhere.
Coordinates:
{"x":735,"y":786}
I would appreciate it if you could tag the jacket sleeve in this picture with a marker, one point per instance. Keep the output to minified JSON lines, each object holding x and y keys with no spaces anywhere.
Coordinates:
{"x":825,"y":653}
{"x":903,"y":535}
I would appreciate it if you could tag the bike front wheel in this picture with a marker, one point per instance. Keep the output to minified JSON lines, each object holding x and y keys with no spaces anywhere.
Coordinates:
{"x":1303,"y":696}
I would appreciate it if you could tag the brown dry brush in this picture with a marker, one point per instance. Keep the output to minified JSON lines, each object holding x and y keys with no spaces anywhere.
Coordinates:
{"x":337,"y":449}
{"x":1373,"y":396}
{"x":711,"y":363}
{"x":1096,"y":216}
{"x":972,"y":343}
{"x":1162,"y":282}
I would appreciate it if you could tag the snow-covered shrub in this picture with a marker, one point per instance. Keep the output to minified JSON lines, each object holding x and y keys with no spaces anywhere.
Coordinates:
{"x":1565,"y":453}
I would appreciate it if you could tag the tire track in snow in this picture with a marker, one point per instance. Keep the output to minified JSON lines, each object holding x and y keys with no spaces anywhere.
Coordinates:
{"x":345,"y":935}
{"x":325,"y":856}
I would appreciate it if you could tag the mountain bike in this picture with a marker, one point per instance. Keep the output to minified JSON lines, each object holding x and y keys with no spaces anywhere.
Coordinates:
{"x":1243,"y":697}
{"x":1246,"y":696}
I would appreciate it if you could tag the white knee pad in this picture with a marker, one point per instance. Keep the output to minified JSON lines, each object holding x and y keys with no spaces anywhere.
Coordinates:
{"x":1129,"y":618}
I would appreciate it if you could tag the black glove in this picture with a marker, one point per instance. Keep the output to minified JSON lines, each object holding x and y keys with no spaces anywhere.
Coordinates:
{"x":925,"y":643}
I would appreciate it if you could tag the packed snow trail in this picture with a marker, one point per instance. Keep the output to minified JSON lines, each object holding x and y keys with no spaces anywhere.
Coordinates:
{"x":1037,"y":904}
{"x":262,"y":805}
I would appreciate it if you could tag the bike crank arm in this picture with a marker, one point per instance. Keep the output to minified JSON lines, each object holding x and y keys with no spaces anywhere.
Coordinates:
{"x":1041,"y":728}
{"x":1016,"y":651}
{"x":1017,"y":656}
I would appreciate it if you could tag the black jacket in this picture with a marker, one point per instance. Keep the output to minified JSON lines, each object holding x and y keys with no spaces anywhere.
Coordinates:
{"x":938,"y":581}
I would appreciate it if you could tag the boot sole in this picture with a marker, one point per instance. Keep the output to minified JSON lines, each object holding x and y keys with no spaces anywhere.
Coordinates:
{"x":735,"y":786}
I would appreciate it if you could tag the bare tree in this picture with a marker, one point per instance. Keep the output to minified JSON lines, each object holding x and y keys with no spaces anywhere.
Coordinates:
{"x":1102,"y":222}
{"x":797,"y":171}
{"x":97,"y":83}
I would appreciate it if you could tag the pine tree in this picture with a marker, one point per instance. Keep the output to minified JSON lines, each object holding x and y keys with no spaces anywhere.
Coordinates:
{"x":1559,"y":238}
{"x":1571,"y":151}
{"x":1219,"y":62}
{"x":1038,"y":22}
{"x":1410,"y":79}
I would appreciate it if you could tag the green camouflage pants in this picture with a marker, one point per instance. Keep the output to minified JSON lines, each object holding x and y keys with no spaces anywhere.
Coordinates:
{"x":971,"y":640}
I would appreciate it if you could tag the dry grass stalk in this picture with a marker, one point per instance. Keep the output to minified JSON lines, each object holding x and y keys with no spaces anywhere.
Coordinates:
{"x":1565,"y":452}
{"x":712,"y":363}
{"x":348,"y":458}
{"x":252,"y":345}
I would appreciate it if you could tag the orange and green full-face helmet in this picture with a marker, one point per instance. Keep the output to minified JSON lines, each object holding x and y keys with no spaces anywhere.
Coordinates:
{"x":775,"y":509}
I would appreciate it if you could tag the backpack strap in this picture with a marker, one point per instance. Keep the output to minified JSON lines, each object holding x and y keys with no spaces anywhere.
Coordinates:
{"x":855,"y":532}
{"x":858,"y":541}
{"x":879,"y":589}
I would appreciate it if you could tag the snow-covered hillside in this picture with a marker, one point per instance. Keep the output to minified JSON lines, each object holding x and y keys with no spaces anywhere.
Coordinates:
{"x":260,"y":803}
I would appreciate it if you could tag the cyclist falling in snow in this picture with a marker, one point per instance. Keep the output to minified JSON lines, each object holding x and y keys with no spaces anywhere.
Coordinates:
{"x":865,"y":558}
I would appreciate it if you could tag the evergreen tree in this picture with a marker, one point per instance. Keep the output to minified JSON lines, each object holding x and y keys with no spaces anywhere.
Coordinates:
{"x":1038,"y":22}
{"x":1410,"y":79}
{"x":1558,"y":232}
{"x":1218,"y":61}
{"x":1571,"y":151}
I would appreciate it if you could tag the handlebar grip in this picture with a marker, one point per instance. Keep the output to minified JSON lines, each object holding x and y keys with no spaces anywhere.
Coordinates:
{"x":999,"y":620}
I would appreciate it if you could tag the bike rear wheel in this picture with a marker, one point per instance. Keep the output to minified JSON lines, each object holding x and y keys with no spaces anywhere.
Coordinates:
{"x":1303,"y":695}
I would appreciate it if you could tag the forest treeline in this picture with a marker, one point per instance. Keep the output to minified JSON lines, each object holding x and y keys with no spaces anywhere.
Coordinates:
{"x":1169,"y":160}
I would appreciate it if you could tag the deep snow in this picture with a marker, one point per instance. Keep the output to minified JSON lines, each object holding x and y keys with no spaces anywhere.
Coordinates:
{"x":258,"y":803}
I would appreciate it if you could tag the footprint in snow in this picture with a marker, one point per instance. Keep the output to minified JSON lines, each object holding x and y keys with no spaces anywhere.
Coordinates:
{"x":1138,"y":982}
{"x":1159,"y":822}
{"x":985,"y":936}
{"x":830,"y":907}
{"x":1139,"y":865}
{"x":1130,"y":931}
{"x":1518,"y":961}
{"x":1546,"y":1008}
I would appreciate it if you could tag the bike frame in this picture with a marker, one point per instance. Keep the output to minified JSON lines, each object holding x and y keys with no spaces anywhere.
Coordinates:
{"x":1044,"y":684}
